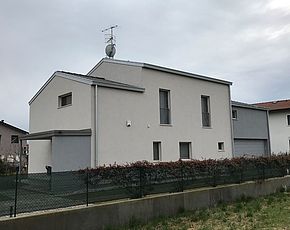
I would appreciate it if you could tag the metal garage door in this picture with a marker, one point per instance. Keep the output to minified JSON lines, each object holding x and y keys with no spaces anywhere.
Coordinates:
{"x":249,"y":147}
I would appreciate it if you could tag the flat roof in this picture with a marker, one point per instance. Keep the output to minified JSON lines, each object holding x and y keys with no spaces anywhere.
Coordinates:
{"x":47,"y":135}
{"x":248,"y":106}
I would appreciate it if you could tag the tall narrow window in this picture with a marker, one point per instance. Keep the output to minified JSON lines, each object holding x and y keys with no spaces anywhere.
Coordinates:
{"x":205,"y":110}
{"x":184,"y":150}
{"x":65,"y":100}
{"x":288,"y":119}
{"x":14,"y":139}
{"x":164,"y":103}
{"x":0,"y":139}
{"x":234,"y":114}
{"x":156,"y":150}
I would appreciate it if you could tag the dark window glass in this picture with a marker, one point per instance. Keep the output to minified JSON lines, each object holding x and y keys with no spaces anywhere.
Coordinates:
{"x":205,"y":111}
{"x":156,"y":151}
{"x":65,"y":100}
{"x":184,"y":150}
{"x":234,"y":114}
{"x":288,"y":119}
{"x":164,"y":103}
{"x":221,"y":146}
{"x":14,"y":139}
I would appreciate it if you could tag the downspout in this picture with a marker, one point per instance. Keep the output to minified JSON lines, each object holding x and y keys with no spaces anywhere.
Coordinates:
{"x":268,"y":128}
{"x":94,"y":160}
{"x":231,"y":122}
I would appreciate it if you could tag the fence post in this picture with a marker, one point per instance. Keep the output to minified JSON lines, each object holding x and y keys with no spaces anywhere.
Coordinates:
{"x":140,"y":182}
{"x":241,"y":173}
{"x":87,"y":188}
{"x":16,"y":190}
{"x":263,"y":168}
{"x":181,"y":177}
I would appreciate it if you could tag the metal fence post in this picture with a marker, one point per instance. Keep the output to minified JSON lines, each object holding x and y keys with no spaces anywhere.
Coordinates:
{"x":87,"y":189}
{"x":140,"y":182}
{"x":181,"y":178}
{"x":16,"y":191}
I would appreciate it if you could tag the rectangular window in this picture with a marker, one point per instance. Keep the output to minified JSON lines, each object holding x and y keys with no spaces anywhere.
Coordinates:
{"x":185,"y":150}
{"x":205,"y":109}
{"x":164,"y":103}
{"x":14,"y":139}
{"x":288,"y":119}
{"x":65,"y":100}
{"x":0,"y":139}
{"x":221,"y":146}
{"x":156,"y":150}
{"x":234,"y":114}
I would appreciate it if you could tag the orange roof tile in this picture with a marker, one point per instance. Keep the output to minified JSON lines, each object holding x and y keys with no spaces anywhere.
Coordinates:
{"x":275,"y":105}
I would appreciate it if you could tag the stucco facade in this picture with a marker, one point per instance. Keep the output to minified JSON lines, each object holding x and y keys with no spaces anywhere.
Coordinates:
{"x":279,"y":123}
{"x":122,"y":111}
{"x":251,"y":130}
{"x":10,"y":144}
{"x":280,"y":131}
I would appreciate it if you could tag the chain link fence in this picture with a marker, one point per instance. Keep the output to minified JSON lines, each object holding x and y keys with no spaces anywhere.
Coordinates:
{"x":20,"y":193}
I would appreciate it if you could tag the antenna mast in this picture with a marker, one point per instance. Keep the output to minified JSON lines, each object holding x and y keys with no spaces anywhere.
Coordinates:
{"x":110,"y":40}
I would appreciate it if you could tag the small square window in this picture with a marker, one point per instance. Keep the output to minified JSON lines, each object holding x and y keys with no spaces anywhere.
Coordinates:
{"x":185,"y":150}
{"x":288,"y":119}
{"x":156,"y":151}
{"x":14,"y":139}
{"x":65,"y":100}
{"x":221,"y":146}
{"x":234,"y":114}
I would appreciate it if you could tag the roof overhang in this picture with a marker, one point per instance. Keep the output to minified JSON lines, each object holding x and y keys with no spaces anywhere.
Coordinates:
{"x":47,"y":135}
{"x":89,"y":80}
{"x":159,"y":68}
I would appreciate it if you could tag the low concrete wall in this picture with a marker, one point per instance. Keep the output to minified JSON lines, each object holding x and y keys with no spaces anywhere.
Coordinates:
{"x":119,"y":213}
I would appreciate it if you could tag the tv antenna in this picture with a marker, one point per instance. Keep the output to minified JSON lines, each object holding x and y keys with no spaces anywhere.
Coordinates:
{"x":110,"y":40}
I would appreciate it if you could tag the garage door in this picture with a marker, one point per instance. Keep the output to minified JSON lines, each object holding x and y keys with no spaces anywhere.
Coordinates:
{"x":249,"y":147}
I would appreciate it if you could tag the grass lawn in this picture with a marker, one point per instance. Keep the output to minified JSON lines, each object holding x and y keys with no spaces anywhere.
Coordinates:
{"x":270,"y":212}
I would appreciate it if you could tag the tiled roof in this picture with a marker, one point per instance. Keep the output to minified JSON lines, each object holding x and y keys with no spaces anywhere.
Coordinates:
{"x":275,"y":105}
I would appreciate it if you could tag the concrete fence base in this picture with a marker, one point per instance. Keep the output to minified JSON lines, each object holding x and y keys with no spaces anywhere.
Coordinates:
{"x":112,"y":214}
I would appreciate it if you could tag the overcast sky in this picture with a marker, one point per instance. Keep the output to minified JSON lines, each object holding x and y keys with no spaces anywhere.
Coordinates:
{"x":243,"y":41}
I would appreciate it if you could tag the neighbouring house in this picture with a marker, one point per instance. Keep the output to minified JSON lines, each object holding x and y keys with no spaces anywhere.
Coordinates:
{"x":10,"y":150}
{"x":124,"y":111}
{"x":279,"y":123}
{"x":251,"y":130}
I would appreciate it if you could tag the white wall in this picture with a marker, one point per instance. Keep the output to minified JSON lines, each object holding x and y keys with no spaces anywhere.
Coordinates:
{"x":39,"y":155}
{"x":279,"y":131}
{"x":45,"y":115}
{"x":120,"y":144}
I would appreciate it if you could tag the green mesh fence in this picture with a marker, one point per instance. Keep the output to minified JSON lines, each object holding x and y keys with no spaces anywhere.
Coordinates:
{"x":42,"y":191}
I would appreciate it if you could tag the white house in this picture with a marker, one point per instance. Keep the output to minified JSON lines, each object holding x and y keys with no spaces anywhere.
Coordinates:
{"x":279,"y":123}
{"x":124,"y":111}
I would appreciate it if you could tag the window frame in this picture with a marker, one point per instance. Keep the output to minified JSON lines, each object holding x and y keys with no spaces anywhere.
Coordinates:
{"x":61,"y":97}
{"x":189,"y":150}
{"x":14,"y":140}
{"x":159,"y":150}
{"x":168,"y":108}
{"x":222,"y":149}
{"x":288,"y":119}
{"x":208,"y":111}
